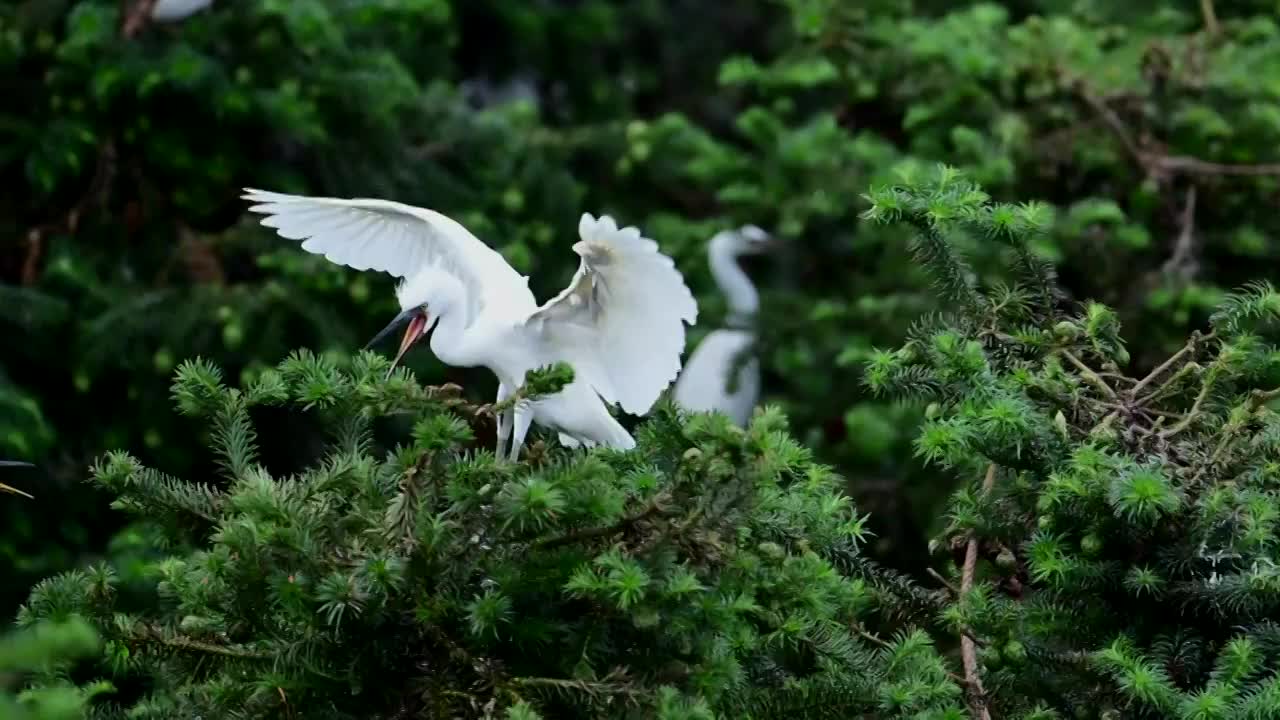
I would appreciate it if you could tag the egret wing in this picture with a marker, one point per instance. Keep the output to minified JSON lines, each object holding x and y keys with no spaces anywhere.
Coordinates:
{"x":369,"y":234}
{"x":621,"y":322}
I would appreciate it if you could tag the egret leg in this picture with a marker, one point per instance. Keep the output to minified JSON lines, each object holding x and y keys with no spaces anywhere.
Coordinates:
{"x":523,"y":418}
{"x":504,"y":422}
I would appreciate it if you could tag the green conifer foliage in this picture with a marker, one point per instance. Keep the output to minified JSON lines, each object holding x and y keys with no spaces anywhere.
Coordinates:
{"x":712,"y":570}
{"x":1118,"y":544}
{"x":42,"y":648}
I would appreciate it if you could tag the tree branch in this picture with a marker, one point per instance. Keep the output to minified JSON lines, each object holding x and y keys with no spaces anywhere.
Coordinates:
{"x":1184,"y":246}
{"x":137,"y":18}
{"x":1210,"y":18}
{"x":1159,"y":165}
{"x":968,"y":649}
{"x":1090,"y":375}
{"x":655,"y":506}
{"x":1192,"y":342}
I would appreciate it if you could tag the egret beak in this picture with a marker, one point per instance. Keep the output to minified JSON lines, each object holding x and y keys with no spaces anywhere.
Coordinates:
{"x":417,"y":328}
{"x":14,"y":490}
{"x":396,"y":322}
{"x":769,"y":243}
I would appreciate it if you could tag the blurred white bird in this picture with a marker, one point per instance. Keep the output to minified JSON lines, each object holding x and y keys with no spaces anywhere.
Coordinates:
{"x":175,"y":10}
{"x":619,"y":324}
{"x":704,"y":383}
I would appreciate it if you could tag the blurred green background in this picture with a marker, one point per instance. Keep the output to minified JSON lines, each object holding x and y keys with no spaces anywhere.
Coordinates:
{"x":1152,"y":128}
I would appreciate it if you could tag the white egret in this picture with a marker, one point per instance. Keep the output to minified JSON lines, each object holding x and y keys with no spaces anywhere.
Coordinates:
{"x":175,"y":10}
{"x":704,"y":383}
{"x":619,"y":324}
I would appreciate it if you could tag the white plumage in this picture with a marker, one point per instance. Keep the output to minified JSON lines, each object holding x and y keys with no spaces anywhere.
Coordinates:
{"x":175,"y":10}
{"x":620,"y":323}
{"x":704,"y":384}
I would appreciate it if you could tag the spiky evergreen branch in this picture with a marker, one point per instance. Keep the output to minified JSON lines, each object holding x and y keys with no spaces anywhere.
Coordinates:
{"x":1142,"y":508}
{"x":695,"y":575}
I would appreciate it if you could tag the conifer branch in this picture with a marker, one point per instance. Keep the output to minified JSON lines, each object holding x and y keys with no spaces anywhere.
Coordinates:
{"x":968,"y":649}
{"x":655,"y":506}
{"x":155,"y":635}
{"x":589,"y":687}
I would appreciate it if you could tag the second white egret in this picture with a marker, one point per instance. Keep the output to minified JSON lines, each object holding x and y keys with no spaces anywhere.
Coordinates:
{"x":705,"y":382}
{"x":620,"y":323}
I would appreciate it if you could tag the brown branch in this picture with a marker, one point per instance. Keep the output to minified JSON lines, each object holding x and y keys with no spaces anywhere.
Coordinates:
{"x":1159,"y":165}
{"x":968,"y":649}
{"x":938,"y":576}
{"x":103,"y":173}
{"x":1196,"y":166}
{"x":1090,"y":375}
{"x":1210,"y":18}
{"x":655,"y":506}
{"x":1192,"y":342}
{"x":1183,"y":248}
{"x":136,"y":18}
{"x":151,"y":634}
{"x":1194,"y":412}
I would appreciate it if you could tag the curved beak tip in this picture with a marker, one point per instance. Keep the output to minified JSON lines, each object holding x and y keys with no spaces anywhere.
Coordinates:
{"x":417,"y":328}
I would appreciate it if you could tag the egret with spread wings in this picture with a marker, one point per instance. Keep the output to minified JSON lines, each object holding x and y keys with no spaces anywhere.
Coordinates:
{"x":620,"y":324}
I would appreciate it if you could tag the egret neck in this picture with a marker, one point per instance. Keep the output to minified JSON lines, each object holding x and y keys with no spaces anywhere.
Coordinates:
{"x":738,"y":290}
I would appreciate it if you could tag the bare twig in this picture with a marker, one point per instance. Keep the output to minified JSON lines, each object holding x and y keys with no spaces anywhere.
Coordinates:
{"x":1195,"y":409}
{"x":1210,"y":18}
{"x":938,"y":576}
{"x":1090,"y":375}
{"x":1192,"y":342}
{"x":103,"y":173}
{"x":1182,"y":259}
{"x":147,"y":633}
{"x":1160,"y":165}
{"x":1196,"y":166}
{"x":969,"y":649}
{"x":136,"y":18}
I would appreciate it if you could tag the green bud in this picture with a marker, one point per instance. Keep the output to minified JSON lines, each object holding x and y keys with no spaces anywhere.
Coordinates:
{"x":692,"y":455}
{"x":933,"y":410}
{"x":645,"y":618}
{"x":224,"y":313}
{"x":1066,"y":330}
{"x":1091,"y":544}
{"x":1060,"y":424}
{"x":1044,"y":522}
{"x":162,"y":361}
{"x":232,"y":335}
{"x":771,"y":550}
{"x":1122,"y":356}
{"x":1006,"y":560}
{"x":1014,"y":651}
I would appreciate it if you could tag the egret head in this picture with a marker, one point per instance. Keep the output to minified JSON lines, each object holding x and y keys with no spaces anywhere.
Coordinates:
{"x":746,"y":240}
{"x":419,"y":296}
